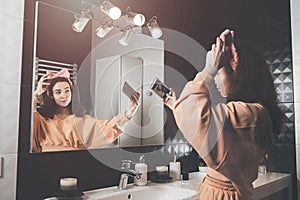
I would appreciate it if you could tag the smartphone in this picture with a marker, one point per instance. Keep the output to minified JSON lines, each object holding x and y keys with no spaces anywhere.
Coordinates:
{"x":160,"y":88}
{"x":128,"y":90}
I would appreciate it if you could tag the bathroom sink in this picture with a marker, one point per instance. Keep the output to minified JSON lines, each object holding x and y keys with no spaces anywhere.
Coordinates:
{"x":157,"y":192}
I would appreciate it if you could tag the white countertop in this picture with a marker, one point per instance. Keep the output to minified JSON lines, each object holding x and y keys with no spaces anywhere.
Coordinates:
{"x":265,"y":185}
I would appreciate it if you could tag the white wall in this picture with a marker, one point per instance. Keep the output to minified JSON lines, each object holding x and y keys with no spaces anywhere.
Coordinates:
{"x":295,"y":21}
{"x":11,"y":34}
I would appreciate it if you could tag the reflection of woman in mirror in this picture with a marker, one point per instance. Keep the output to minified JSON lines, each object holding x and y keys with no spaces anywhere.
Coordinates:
{"x":57,"y":128}
{"x":229,"y":114}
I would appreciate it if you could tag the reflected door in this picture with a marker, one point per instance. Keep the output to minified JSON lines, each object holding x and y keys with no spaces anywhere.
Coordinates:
{"x":131,"y":72}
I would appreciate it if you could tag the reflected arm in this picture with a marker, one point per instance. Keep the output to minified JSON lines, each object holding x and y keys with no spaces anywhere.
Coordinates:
{"x":96,"y":133}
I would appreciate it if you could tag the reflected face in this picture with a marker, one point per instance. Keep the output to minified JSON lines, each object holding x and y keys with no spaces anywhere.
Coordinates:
{"x":62,"y":94}
{"x":223,"y":80}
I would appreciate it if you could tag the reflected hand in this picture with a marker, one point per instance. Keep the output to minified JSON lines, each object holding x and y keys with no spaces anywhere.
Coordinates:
{"x":134,"y":103}
{"x":170,"y":99}
{"x":42,"y":85}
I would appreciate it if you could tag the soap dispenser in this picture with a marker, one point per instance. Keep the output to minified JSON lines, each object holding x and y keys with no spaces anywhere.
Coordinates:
{"x":141,"y":167}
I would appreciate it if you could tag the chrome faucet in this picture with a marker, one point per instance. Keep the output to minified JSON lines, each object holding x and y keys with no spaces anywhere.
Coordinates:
{"x":125,"y":168}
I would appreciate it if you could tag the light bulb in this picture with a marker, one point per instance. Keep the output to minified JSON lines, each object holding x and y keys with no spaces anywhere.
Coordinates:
{"x":111,"y":10}
{"x":115,"y":13}
{"x":139,"y":19}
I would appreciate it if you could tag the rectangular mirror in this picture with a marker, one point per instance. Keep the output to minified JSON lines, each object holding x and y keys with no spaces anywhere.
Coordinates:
{"x":98,"y":68}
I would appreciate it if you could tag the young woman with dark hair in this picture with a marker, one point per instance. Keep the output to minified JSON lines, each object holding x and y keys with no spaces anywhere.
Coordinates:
{"x":57,"y":127}
{"x":229,"y":114}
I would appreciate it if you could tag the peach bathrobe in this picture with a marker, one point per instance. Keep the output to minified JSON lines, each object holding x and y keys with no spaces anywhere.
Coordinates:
{"x":230,"y":137}
{"x":74,"y":133}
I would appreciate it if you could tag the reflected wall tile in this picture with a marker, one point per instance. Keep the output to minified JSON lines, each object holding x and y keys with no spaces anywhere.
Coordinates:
{"x":187,"y":149}
{"x":8,"y":180}
{"x":11,"y":49}
{"x":9,"y":115}
{"x":174,"y":138}
{"x":13,"y":8}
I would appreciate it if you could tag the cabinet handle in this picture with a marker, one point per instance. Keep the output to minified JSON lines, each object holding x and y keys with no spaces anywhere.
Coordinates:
{"x":1,"y":168}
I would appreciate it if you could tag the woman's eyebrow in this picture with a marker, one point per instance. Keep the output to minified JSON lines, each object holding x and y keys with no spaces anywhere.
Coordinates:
{"x":67,"y":88}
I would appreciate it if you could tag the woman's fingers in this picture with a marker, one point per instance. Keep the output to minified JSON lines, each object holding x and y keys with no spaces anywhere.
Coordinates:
{"x":219,"y":44}
{"x":135,"y":97}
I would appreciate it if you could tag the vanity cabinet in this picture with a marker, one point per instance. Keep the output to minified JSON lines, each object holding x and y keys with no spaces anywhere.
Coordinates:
{"x":268,"y":186}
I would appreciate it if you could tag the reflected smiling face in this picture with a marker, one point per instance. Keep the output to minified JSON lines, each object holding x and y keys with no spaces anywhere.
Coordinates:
{"x":223,"y":80}
{"x":62,"y":94}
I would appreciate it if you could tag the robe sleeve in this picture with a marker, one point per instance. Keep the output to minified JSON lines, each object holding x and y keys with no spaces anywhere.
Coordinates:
{"x":199,"y":110}
{"x":35,"y":144}
{"x":96,"y":133}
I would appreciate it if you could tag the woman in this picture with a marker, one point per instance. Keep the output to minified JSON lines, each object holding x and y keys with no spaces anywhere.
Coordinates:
{"x":229,"y":114}
{"x":57,"y":128}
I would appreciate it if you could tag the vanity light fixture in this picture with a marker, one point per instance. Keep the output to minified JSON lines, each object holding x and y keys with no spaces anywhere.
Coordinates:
{"x":126,"y":35}
{"x":135,"y":18}
{"x":111,"y":10}
{"x":112,"y":18}
{"x":154,"y":28}
{"x":104,"y":29}
{"x":81,"y":20}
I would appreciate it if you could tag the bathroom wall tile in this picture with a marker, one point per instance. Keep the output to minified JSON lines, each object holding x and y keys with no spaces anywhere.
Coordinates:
{"x":297,"y":123}
{"x":13,"y":8}
{"x":9,"y":115}
{"x":296,"y":68}
{"x":11,"y":49}
{"x":8,"y":180}
{"x":282,"y":158}
{"x":295,"y":5}
{"x":298,"y":166}
{"x":296,"y":38}
{"x":288,"y":137}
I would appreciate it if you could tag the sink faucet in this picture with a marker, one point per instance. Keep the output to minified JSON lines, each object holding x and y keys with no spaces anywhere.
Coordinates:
{"x":125,"y":168}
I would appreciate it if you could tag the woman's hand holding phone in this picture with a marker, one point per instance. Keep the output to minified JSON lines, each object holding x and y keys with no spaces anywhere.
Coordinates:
{"x":134,"y":97}
{"x":170,"y":99}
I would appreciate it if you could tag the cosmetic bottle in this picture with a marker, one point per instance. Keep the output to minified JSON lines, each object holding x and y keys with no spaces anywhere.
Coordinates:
{"x":142,"y":168}
{"x":175,"y":169}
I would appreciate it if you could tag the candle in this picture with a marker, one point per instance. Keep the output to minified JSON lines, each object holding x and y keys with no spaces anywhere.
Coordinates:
{"x":68,"y":184}
{"x":162,"y":170}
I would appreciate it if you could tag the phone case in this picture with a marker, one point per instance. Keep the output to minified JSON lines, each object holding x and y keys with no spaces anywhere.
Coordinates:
{"x":160,"y":88}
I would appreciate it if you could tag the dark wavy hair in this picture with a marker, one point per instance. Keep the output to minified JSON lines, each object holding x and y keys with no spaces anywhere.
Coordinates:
{"x":48,"y":106}
{"x":253,"y":82}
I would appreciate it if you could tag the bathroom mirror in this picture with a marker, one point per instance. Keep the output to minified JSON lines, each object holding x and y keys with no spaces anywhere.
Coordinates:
{"x":99,"y":67}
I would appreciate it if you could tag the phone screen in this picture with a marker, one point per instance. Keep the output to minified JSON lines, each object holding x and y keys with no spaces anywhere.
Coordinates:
{"x":160,"y":88}
{"x":129,"y":91}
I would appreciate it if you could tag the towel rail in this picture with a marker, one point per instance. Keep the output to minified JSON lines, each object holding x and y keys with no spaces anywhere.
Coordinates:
{"x":42,"y":66}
